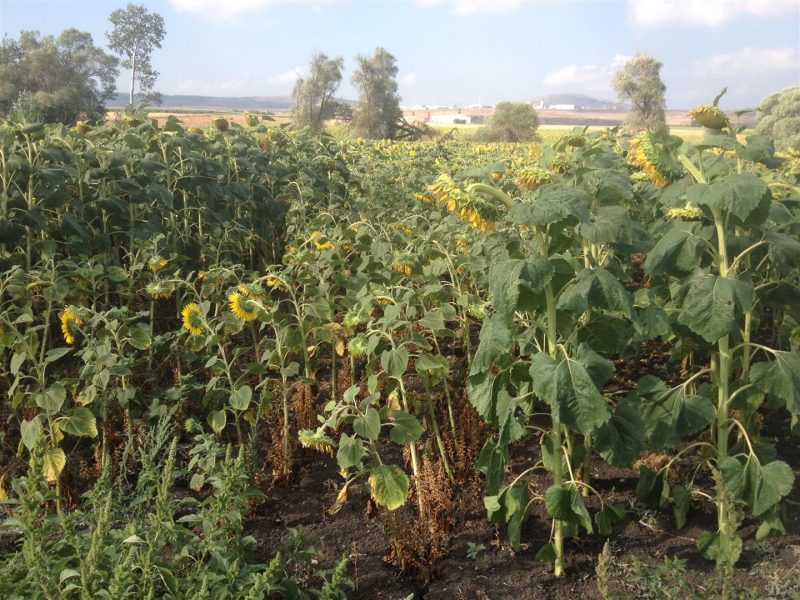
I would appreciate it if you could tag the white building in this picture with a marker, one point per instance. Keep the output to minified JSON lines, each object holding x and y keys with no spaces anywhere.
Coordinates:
{"x":561,"y":107}
{"x":451,"y":119}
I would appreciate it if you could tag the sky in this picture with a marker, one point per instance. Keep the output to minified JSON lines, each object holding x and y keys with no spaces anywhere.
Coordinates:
{"x":457,"y":52}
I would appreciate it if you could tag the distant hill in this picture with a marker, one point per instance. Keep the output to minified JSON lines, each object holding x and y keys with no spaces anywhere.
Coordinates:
{"x":263,"y":103}
{"x":579,"y":100}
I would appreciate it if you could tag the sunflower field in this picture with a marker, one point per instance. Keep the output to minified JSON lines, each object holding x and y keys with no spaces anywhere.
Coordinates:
{"x":248,"y":362}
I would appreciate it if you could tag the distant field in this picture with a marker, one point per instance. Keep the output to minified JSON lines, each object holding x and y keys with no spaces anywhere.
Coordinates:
{"x":549,"y":133}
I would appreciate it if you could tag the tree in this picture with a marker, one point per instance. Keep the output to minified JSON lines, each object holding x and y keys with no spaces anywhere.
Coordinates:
{"x":779,"y":117}
{"x":54,"y":79}
{"x":511,"y":122}
{"x":313,"y":95}
{"x":639,"y":82}
{"x":136,"y":32}
{"x":377,"y":112}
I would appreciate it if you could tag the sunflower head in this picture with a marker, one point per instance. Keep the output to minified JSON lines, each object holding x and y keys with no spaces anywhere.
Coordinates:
{"x":157,"y":263}
{"x":159,"y":289}
{"x":242,"y":307}
{"x":321,"y":241}
{"x":687,"y":213}
{"x":193,"y":319}
{"x":316,"y":440}
{"x":709,"y":116}
{"x":70,"y":322}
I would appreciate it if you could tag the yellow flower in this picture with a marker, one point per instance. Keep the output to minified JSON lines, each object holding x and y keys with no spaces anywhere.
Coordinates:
{"x":70,"y":321}
{"x":157,"y":263}
{"x":242,"y":307}
{"x":320,"y":241}
{"x":193,"y":319}
{"x":201,"y":275}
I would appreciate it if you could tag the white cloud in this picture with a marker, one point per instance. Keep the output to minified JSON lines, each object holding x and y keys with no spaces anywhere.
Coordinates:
{"x":232,"y":10}
{"x":750,"y":61}
{"x":585,"y":78}
{"x":466,"y":7}
{"x":289,"y":77}
{"x":408,"y":79}
{"x":705,"y":13}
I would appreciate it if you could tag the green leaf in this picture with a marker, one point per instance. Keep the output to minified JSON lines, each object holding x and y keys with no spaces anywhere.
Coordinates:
{"x":621,"y":440}
{"x":407,"y":428}
{"x":670,"y":415}
{"x":491,"y":462}
{"x":395,"y":361}
{"x":678,"y":250}
{"x":546,"y":553}
{"x":553,"y":205}
{"x":53,"y":398}
{"x":597,"y":288}
{"x":369,"y":425}
{"x":79,"y":422}
{"x":217,"y":420}
{"x":30,"y":432}
{"x":350,"y":451}
{"x":606,"y":518}
{"x":564,"y":503}
{"x":508,"y":278}
{"x":713,"y":303}
{"x":389,"y":485}
{"x":761,"y":487}
{"x":16,"y":362}
{"x":746,"y":198}
{"x":240,"y":398}
{"x":139,"y":337}
{"x":56,"y":353}
{"x":652,"y":488}
{"x":569,"y":390}
{"x":681,"y":496}
{"x":433,"y":320}
{"x":709,"y":545}
{"x":495,"y":344}
{"x":781,"y":378}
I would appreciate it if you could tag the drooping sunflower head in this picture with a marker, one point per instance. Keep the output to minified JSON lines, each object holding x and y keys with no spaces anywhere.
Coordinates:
{"x":70,"y":322}
{"x":159,"y":289}
{"x":316,"y":440}
{"x":193,"y":319}
{"x":157,"y":263}
{"x":469,"y":207}
{"x":242,"y":307}
{"x":653,"y":154}
{"x":709,"y":116}
{"x":690,"y":212}
{"x":402,"y":263}
{"x":533,"y":178}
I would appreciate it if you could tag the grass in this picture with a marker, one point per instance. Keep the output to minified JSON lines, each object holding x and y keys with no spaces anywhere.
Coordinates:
{"x":550,"y":134}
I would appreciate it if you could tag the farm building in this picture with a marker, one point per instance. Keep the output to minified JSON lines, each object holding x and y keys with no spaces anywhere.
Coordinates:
{"x":451,"y":119}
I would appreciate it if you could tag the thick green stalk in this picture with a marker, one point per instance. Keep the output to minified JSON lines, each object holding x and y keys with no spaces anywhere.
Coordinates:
{"x":558,"y":475}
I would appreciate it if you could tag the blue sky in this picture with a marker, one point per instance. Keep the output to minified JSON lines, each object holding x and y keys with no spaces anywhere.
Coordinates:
{"x":458,"y":51}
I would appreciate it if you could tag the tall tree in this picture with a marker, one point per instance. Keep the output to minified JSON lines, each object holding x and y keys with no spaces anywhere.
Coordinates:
{"x":56,"y":79}
{"x":639,"y":82}
{"x":135,"y":34}
{"x":313,"y":95}
{"x":377,"y":112}
{"x":511,"y":122}
{"x":779,"y":117}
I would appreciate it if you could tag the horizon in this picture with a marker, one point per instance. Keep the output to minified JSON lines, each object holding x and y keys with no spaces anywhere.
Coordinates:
{"x":448,"y":54}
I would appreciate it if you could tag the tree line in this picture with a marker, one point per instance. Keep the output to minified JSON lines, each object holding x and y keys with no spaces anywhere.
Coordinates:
{"x":67,"y":78}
